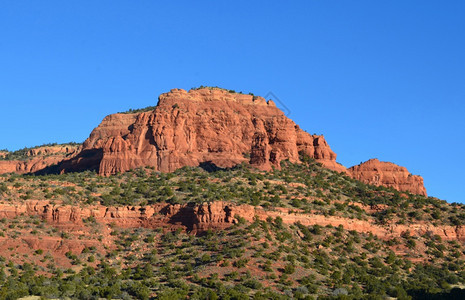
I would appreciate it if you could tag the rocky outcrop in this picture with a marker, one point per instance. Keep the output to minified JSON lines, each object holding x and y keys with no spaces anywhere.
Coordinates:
{"x":191,"y":217}
{"x":197,"y":218}
{"x":202,"y":126}
{"x":207,"y":127}
{"x":36,"y":159}
{"x":58,"y":150}
{"x":388,"y":174}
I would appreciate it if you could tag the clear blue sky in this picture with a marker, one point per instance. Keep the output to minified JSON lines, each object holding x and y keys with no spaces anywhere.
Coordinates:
{"x":382,"y":79}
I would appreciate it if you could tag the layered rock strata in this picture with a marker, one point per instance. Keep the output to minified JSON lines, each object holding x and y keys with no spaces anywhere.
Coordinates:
{"x":37,"y":159}
{"x":197,"y":218}
{"x":200,"y":127}
{"x":387,"y":174}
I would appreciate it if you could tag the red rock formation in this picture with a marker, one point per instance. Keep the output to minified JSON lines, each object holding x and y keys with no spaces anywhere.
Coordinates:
{"x":388,"y":174}
{"x":37,"y":159}
{"x":205,"y":126}
{"x":61,"y":150}
{"x":197,"y":218}
{"x":209,"y":126}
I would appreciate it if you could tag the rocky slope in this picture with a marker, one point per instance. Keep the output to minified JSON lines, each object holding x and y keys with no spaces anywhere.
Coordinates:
{"x":36,"y":159}
{"x":206,"y":126}
{"x":388,"y":174}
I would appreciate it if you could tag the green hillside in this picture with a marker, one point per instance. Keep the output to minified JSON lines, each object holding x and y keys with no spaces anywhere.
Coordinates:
{"x":260,"y":259}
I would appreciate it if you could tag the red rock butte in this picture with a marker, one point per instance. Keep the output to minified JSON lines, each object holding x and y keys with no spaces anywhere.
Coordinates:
{"x":210,"y":126}
{"x":206,"y":125}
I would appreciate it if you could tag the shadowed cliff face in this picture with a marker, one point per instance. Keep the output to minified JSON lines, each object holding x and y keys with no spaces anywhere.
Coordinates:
{"x":205,"y":125}
{"x":388,"y":174}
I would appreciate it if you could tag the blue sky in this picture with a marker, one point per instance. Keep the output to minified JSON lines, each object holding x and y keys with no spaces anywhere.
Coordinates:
{"x":382,"y":79}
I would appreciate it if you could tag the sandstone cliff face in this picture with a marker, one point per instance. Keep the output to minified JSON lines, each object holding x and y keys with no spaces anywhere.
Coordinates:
{"x":200,"y":126}
{"x":197,"y":218}
{"x":191,"y":217}
{"x":388,"y":174}
{"x":37,"y":159}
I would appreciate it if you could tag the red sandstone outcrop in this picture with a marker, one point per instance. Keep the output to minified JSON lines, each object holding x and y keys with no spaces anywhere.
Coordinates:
{"x":215,"y":215}
{"x":203,"y":126}
{"x":37,"y":159}
{"x":61,"y":150}
{"x":388,"y":174}
{"x":207,"y":126}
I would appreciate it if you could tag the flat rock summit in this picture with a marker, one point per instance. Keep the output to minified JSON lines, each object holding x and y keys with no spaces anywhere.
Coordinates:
{"x":214,"y":127}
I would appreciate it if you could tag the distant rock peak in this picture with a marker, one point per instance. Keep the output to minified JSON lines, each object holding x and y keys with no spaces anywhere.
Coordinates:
{"x":382,"y":173}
